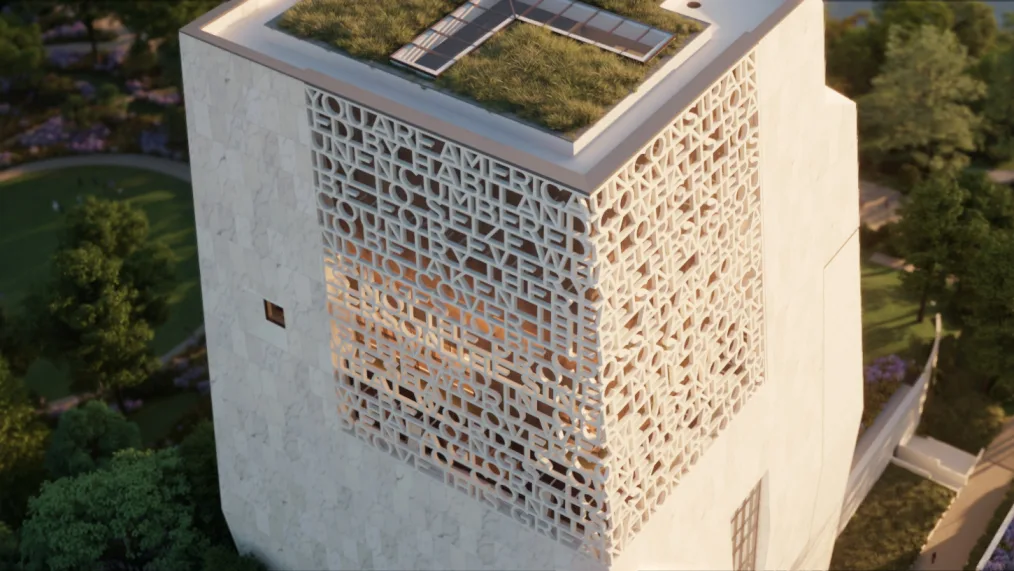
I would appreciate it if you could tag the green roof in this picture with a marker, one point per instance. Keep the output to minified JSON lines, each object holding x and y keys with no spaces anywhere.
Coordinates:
{"x":544,"y":78}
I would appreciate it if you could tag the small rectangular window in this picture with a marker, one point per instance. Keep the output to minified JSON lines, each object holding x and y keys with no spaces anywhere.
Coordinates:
{"x":274,"y":314}
{"x":744,"y":532}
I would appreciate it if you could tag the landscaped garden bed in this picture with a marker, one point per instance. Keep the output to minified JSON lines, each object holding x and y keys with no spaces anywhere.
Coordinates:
{"x":548,"y":79}
{"x":892,"y":524}
{"x":881,"y":380}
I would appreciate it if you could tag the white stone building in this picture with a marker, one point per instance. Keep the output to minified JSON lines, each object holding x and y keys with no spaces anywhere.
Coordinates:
{"x":440,"y":338}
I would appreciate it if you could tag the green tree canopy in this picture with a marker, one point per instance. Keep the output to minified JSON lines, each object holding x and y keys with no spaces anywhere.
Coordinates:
{"x":221,"y":558}
{"x":914,"y":14}
{"x":975,"y":26}
{"x":995,"y":202}
{"x":200,"y":463}
{"x":21,"y":52}
{"x":17,"y":342}
{"x":135,"y":514}
{"x":998,"y":106}
{"x":10,"y":555}
{"x":87,"y":438}
{"x":931,"y":232}
{"x":22,"y":448}
{"x":852,"y":54}
{"x":160,"y":19}
{"x":122,"y":232}
{"x":110,"y":289}
{"x":918,"y":111}
{"x":94,"y":324}
{"x":988,"y":307}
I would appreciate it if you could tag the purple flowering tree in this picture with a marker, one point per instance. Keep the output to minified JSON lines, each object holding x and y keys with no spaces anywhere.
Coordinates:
{"x":882,"y":378}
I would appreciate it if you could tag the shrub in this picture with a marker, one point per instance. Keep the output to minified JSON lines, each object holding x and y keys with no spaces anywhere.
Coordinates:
{"x":219,"y":558}
{"x":1003,"y":389}
{"x":10,"y":554}
{"x":957,"y":410}
{"x":107,"y":93}
{"x":140,"y":61}
{"x":55,"y":88}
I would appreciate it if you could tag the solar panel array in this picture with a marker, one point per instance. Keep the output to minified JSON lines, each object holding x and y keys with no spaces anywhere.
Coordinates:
{"x":472,"y":23}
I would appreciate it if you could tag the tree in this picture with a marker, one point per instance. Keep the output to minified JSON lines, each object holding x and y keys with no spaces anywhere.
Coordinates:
{"x":110,"y":289}
{"x":136,"y":515}
{"x":17,"y":342}
{"x":918,"y":111}
{"x":221,"y":558}
{"x":928,"y":232}
{"x":21,"y":52}
{"x":851,"y":54}
{"x":988,"y":303}
{"x":94,"y":324}
{"x":914,"y":14}
{"x":200,"y":463}
{"x":122,"y":232}
{"x":10,"y":555}
{"x":161,"y":20}
{"x":22,"y":448}
{"x":998,"y":105}
{"x":88,"y":11}
{"x":975,"y":26}
{"x":995,"y":202}
{"x":87,"y":438}
{"x":158,"y":19}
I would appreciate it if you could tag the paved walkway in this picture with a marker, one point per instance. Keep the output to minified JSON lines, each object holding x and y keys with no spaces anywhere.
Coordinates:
{"x":888,"y":261}
{"x":878,"y":204}
{"x":1002,"y":176}
{"x":965,"y":522}
{"x":167,"y":167}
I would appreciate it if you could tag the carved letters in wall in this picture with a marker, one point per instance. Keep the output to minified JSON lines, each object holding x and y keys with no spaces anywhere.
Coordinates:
{"x":561,"y":358}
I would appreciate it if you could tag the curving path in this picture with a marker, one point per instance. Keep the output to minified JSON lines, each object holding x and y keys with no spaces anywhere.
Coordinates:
{"x":167,"y":167}
{"x":83,"y":48}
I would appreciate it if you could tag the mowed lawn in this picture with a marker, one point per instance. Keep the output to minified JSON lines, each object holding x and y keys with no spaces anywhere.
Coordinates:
{"x":30,"y":232}
{"x":889,"y":314}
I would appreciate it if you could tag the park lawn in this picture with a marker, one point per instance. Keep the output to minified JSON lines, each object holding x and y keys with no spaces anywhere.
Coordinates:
{"x":957,"y":410}
{"x":157,"y":418}
{"x":889,"y":318}
{"x":30,"y":232}
{"x":889,"y":328}
{"x":892,"y":524}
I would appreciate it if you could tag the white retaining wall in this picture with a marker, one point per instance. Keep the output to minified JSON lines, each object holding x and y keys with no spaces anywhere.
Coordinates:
{"x":893,"y":426}
{"x":945,"y":464}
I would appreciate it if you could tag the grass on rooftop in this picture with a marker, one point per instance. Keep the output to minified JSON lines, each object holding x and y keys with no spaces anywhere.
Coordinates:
{"x":545,"y":78}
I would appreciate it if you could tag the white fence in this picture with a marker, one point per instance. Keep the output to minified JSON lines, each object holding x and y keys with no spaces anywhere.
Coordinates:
{"x":996,"y":540}
{"x":893,"y":426}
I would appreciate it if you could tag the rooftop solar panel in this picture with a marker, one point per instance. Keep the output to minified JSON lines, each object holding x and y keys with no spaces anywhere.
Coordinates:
{"x":475,"y":21}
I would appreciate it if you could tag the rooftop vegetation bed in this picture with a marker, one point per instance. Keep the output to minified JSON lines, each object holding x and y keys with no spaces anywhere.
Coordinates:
{"x":541,"y":77}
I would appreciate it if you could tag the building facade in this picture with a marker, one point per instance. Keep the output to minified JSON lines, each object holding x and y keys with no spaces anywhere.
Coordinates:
{"x":430,"y":349}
